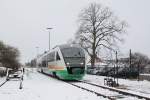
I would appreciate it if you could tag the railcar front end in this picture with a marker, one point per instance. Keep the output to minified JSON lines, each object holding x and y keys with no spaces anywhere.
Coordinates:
{"x":66,"y":62}
{"x":74,"y":59}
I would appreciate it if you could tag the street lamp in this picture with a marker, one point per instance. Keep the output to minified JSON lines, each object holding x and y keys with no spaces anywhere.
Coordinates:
{"x":49,"y":35}
{"x":37,"y":51}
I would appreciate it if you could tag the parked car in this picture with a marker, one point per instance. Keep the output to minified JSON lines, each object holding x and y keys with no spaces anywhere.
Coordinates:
{"x":11,"y":74}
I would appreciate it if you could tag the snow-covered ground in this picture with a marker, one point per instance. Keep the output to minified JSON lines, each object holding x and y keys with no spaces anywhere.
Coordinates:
{"x":37,"y":86}
{"x":140,"y":87}
{"x":2,"y":79}
{"x":114,"y":95}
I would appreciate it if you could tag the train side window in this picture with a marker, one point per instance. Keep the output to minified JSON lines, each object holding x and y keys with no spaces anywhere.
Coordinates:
{"x":57,"y":56}
{"x":43,"y":63}
{"x":51,"y":56}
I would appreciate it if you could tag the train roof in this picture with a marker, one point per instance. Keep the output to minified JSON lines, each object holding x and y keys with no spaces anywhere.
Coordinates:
{"x":68,"y":45}
{"x":63,"y":46}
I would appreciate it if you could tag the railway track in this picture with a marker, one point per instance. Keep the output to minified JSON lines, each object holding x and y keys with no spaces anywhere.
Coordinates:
{"x":20,"y":83}
{"x":72,"y":83}
{"x":3,"y":83}
{"x":119,"y":91}
{"x":107,"y":92}
{"x":92,"y":91}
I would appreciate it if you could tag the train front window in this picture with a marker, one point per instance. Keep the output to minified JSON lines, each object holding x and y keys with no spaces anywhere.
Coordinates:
{"x":72,"y":52}
{"x":73,"y":56}
{"x":57,"y":56}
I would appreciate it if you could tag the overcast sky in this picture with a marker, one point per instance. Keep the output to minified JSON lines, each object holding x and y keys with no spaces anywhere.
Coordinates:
{"x":23,"y":23}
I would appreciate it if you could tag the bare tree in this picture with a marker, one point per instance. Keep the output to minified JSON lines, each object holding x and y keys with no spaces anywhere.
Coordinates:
{"x":9,"y":56}
{"x":139,"y":60}
{"x":98,"y":28}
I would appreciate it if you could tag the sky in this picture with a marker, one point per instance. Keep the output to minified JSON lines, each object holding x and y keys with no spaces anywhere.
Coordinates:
{"x":23,"y":23}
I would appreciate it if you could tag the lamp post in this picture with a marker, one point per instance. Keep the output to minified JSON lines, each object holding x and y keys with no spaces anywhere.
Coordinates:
{"x":37,"y":50}
{"x":49,"y":35}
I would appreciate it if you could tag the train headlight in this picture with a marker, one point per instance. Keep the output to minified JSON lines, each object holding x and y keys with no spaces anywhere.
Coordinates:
{"x":81,"y":63}
{"x":68,"y":63}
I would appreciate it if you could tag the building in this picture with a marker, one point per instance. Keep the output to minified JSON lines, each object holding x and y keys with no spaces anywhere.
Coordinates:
{"x":147,"y":69}
{"x":1,"y":64}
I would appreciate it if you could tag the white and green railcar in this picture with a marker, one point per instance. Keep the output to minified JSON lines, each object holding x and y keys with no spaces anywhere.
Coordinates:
{"x":66,"y":62}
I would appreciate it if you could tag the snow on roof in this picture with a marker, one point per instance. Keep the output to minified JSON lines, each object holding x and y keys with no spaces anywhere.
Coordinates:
{"x":100,"y":64}
{"x":145,"y":74}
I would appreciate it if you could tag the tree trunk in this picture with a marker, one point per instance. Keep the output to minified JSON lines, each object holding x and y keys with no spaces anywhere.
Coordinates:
{"x":93,"y":52}
{"x":93,"y":60}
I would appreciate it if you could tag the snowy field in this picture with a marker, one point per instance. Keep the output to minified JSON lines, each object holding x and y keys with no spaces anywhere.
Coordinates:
{"x":134,"y":86}
{"x":37,"y":86}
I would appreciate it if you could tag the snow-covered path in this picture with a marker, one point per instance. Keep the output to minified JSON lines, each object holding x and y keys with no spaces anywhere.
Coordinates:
{"x":40,"y":87}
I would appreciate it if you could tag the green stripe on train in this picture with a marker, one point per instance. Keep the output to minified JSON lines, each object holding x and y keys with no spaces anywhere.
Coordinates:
{"x":63,"y":74}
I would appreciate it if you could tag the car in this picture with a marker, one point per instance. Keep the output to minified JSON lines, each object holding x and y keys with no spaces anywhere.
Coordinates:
{"x":17,"y":74}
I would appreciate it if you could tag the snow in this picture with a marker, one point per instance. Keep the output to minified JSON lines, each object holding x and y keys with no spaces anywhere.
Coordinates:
{"x":100,"y":90}
{"x":133,"y":86}
{"x":145,"y":74}
{"x":2,"y":79}
{"x":106,"y":92}
{"x":37,"y":86}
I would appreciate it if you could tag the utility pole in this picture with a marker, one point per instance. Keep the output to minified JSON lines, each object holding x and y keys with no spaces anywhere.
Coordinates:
{"x":49,"y":44}
{"x":37,"y":51}
{"x":117,"y":67}
{"x":130,"y":59}
{"x":49,"y":36}
{"x":130,"y":63}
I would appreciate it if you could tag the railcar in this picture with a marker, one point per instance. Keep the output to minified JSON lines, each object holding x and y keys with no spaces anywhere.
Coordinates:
{"x":65,"y":62}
